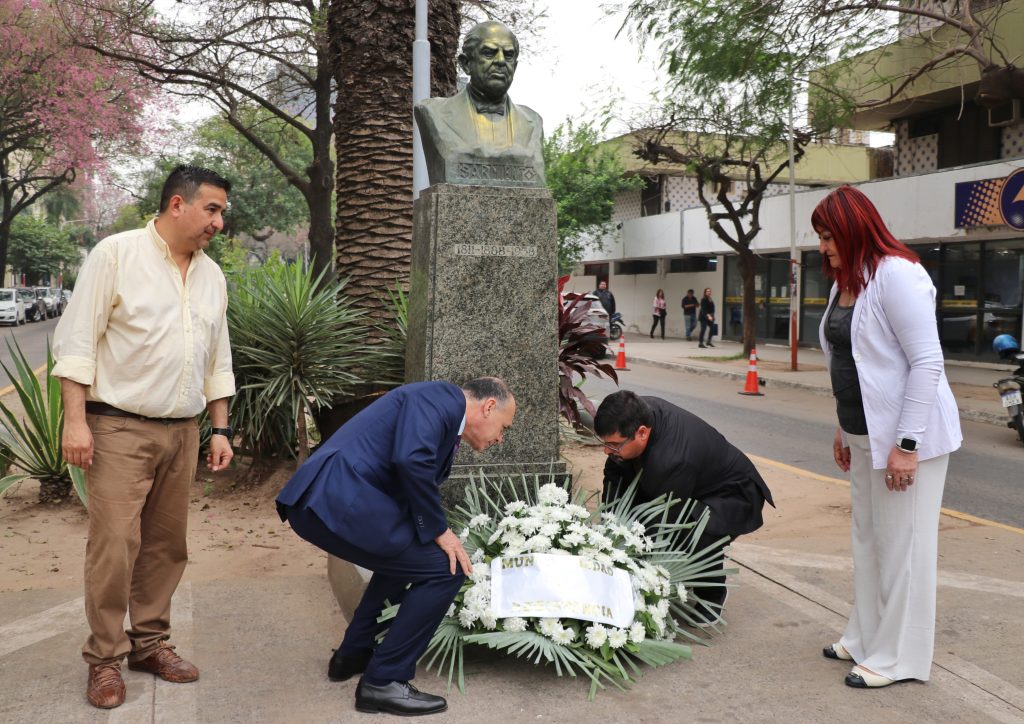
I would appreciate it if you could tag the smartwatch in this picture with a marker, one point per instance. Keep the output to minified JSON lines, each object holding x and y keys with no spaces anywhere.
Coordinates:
{"x":225,"y":431}
{"x":907,"y":444}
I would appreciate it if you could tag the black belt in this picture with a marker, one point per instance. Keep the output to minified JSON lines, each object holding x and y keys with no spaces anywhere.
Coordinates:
{"x":102,"y":408}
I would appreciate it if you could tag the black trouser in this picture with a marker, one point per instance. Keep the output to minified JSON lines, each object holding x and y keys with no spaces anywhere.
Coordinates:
{"x":705,"y":325}
{"x":654,"y":324}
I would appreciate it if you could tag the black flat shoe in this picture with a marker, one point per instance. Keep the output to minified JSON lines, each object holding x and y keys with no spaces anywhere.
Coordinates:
{"x":836,"y":651}
{"x":398,"y":697}
{"x":343,"y":668}
{"x":861,"y":678}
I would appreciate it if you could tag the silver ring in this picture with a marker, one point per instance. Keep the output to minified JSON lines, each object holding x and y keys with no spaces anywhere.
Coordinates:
{"x":888,"y":476}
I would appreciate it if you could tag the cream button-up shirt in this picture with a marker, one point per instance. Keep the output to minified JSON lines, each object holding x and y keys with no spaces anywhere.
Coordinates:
{"x":138,"y":337}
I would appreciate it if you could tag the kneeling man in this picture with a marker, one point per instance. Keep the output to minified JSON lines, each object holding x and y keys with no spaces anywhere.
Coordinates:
{"x":370,"y":495}
{"x":677,"y":452}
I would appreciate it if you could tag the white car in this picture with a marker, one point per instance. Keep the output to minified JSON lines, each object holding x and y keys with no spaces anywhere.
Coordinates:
{"x":12,"y":308}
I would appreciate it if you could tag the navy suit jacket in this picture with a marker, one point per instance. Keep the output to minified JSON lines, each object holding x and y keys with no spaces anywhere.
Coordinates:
{"x":375,"y":482}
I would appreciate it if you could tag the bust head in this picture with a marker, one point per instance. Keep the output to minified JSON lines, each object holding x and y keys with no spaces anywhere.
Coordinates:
{"x":489,"y":56}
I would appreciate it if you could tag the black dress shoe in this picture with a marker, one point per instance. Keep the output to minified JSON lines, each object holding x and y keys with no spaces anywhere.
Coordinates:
{"x":398,"y":697}
{"x":343,"y":668}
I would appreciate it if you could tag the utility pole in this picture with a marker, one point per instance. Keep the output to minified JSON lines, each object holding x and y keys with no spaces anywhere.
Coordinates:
{"x":420,"y":91}
{"x":794,"y":261}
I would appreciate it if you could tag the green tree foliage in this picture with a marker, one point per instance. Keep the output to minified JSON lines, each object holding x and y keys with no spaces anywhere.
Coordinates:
{"x":40,"y":250}
{"x":583,"y":177}
{"x":261,"y":200}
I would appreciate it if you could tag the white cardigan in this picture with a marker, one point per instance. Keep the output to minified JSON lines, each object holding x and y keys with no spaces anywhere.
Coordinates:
{"x":899,"y":362}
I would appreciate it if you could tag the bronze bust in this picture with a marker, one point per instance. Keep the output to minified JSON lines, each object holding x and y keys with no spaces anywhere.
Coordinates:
{"x":479,"y":136}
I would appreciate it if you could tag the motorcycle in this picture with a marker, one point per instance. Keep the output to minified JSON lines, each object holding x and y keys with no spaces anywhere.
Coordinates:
{"x":615,"y":325}
{"x":1010,"y":388}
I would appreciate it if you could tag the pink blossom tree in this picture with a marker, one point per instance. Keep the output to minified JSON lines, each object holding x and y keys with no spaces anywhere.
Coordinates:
{"x":63,"y":109}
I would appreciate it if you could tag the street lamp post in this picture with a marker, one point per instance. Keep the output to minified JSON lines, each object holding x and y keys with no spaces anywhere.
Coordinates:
{"x":794,"y":261}
{"x":420,"y":91}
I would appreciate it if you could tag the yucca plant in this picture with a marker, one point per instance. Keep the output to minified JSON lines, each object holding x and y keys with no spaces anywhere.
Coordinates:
{"x":34,"y":442}
{"x":295,"y":342}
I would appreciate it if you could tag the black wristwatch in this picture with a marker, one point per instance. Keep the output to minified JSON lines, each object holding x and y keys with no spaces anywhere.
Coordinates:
{"x":225,"y":431}
{"x":907,"y":445}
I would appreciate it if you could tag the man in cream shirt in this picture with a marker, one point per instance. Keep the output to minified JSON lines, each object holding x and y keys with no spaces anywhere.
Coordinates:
{"x":141,"y":349}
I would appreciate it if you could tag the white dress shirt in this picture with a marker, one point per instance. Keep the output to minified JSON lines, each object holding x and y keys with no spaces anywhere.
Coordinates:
{"x":141,"y":339}
{"x":899,"y":362}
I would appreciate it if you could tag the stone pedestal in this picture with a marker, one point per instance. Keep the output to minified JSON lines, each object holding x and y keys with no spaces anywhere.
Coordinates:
{"x":483,"y":301}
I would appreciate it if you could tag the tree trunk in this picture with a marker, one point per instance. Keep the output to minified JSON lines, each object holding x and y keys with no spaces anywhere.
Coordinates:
{"x":321,"y":171}
{"x":371,"y":49}
{"x":748,"y":270}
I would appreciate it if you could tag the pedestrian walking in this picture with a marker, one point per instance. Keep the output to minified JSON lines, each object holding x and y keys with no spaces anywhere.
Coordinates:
{"x":690,"y":305}
{"x":898,"y":423}
{"x":659,"y":313}
{"x":707,"y":319}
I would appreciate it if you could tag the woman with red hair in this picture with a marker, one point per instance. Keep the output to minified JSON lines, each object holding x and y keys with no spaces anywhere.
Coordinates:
{"x":898,"y":423}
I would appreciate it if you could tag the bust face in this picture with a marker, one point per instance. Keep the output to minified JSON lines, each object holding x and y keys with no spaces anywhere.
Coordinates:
{"x":492,"y":65}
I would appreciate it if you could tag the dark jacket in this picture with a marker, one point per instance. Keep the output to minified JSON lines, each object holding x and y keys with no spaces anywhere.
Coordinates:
{"x":688,"y":458}
{"x":374,"y":483}
{"x":607,"y":300}
{"x":707,"y":306}
{"x":690,"y":304}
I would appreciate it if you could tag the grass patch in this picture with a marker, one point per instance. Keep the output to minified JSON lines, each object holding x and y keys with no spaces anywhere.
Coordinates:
{"x":728,"y":358}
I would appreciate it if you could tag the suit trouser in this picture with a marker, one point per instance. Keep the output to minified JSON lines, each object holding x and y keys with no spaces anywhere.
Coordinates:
{"x":424,"y":603}
{"x":891,"y":630}
{"x":138,"y":488}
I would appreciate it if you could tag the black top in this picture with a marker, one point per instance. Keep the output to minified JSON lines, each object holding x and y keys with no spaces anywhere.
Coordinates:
{"x":690,"y":305}
{"x":845,"y":383}
{"x":687,"y":457}
{"x":707,"y":306}
{"x":607,"y":300}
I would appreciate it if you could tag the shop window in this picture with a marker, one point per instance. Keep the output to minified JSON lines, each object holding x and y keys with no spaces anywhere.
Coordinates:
{"x":692,"y":264}
{"x":640,"y":266}
{"x":596,"y":270}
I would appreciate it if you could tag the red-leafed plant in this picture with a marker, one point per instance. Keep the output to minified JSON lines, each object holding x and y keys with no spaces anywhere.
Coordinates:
{"x":580,"y":341}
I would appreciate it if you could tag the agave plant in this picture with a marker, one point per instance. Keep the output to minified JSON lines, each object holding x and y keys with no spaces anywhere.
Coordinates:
{"x":34,"y":442}
{"x":578,"y":342}
{"x":295,"y":342}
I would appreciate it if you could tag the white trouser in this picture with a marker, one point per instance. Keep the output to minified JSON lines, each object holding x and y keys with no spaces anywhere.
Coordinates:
{"x":895,"y":548}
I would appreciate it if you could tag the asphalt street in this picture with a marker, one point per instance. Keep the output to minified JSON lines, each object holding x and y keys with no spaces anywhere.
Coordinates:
{"x":796,"y":427}
{"x":31,"y":337}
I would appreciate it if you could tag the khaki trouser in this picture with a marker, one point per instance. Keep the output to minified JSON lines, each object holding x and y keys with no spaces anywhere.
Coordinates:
{"x":138,"y":513}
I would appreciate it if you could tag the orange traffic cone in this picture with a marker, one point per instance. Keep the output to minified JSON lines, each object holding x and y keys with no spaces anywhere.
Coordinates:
{"x":620,"y":361}
{"x":750,"y":388}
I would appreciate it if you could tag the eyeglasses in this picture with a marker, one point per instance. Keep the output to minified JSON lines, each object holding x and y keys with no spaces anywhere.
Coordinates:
{"x":616,"y":447}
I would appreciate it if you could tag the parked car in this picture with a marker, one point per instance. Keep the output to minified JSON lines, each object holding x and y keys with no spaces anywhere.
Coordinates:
{"x":58,"y":299}
{"x":35,"y":307}
{"x":12,"y":308}
{"x":66,"y":296}
{"x":46,"y":294}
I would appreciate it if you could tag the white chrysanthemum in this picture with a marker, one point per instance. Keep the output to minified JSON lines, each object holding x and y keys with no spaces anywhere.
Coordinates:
{"x":558,"y":552}
{"x":637,"y":633}
{"x":618,"y":637}
{"x":467,"y":617}
{"x":488,"y":619}
{"x":638,"y":527}
{"x":563,"y":636}
{"x":603,"y":558}
{"x":608,"y":517}
{"x":663,"y":607}
{"x":596,"y":635}
{"x":587,"y":552}
{"x":514,"y":507}
{"x":530,"y":524}
{"x":511,"y":551}
{"x":599,"y":541}
{"x":619,"y":556}
{"x":514,"y":624}
{"x":577,"y":511}
{"x":451,"y":611}
{"x":539,"y":544}
{"x":478,"y":556}
{"x":508,"y":522}
{"x":548,"y":626}
{"x":550,"y":529}
{"x":480,"y":574}
{"x":681,"y":592}
{"x":559,"y":515}
{"x":552,"y":494}
{"x":479,"y":520}
{"x":464,"y":535}
{"x":571,"y":540}
{"x":511,"y":538}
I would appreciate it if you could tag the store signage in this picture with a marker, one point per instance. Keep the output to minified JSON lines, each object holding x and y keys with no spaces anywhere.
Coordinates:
{"x":991,"y":202}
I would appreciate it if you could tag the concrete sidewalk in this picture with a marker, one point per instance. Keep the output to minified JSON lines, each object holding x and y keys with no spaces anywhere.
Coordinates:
{"x":971,"y":381}
{"x":262,"y":643}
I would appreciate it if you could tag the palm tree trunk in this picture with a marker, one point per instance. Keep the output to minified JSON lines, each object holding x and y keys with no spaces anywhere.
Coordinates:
{"x":371,"y":50}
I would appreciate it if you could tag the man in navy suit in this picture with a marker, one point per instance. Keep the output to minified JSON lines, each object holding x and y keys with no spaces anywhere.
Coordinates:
{"x":370,"y":495}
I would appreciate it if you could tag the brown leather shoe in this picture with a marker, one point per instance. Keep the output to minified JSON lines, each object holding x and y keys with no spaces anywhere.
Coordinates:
{"x":167,"y":665}
{"x":106,"y":687}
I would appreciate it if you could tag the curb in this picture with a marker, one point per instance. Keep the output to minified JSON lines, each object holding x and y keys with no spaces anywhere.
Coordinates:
{"x":965,"y":413}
